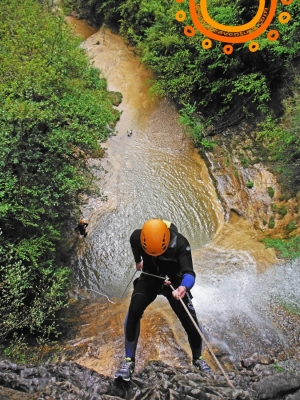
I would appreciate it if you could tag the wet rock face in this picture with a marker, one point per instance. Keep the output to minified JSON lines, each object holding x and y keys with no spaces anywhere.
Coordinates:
{"x":243,"y":188}
{"x":256,"y":358}
{"x":246,"y":186}
{"x":69,"y":381}
{"x":57,"y":381}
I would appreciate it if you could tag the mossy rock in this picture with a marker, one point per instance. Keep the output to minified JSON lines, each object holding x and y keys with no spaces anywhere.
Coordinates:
{"x":290,"y":226}
{"x":271,"y":223}
{"x":282,"y":210}
{"x":271,"y":192}
{"x":249,"y":184}
{"x":116,"y":97}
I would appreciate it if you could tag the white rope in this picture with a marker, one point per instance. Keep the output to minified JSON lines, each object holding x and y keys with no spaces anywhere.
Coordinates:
{"x":205,"y":341}
{"x":101,"y":294}
{"x":114,"y":302}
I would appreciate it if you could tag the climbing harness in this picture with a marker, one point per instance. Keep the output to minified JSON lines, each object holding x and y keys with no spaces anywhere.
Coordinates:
{"x":167,"y":282}
{"x":115,"y":302}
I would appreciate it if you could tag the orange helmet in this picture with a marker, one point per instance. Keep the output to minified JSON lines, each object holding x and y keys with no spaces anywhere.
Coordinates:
{"x":155,"y":237}
{"x":81,"y":221}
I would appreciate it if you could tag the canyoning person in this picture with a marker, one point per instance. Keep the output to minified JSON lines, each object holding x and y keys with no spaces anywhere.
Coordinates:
{"x":81,"y":227}
{"x":160,"y":250}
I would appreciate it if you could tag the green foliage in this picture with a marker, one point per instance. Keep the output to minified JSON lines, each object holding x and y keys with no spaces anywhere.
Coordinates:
{"x":249,"y":184}
{"x":116,"y":98}
{"x":290,"y":226}
{"x":271,"y":192}
{"x":67,"y":5}
{"x":225,"y":89}
{"x":271,"y":223}
{"x":104,"y":10}
{"x":54,"y":112}
{"x":193,"y":125}
{"x":235,"y":172}
{"x":282,"y":210}
{"x":282,"y":138}
{"x":245,"y":162}
{"x":278,"y":368}
{"x":227,"y":159}
{"x":291,"y":304}
{"x":288,"y":248}
{"x":17,"y":349}
{"x":273,"y":207}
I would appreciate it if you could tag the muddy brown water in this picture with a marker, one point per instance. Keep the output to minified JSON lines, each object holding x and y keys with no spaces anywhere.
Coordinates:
{"x":156,"y":172}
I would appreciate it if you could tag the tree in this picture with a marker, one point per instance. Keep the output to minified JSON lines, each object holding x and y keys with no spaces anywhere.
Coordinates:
{"x":224,"y":88}
{"x":54,"y":112}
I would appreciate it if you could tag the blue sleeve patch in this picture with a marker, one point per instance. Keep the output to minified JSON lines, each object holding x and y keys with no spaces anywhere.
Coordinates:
{"x":188,"y":281}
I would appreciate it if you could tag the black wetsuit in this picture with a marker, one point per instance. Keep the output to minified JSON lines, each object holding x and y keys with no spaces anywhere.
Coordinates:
{"x":174,"y":262}
{"x":82,"y":228}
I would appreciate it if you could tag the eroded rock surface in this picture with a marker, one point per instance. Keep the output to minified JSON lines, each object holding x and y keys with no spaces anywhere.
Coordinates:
{"x":240,"y":169}
{"x":70,"y":381}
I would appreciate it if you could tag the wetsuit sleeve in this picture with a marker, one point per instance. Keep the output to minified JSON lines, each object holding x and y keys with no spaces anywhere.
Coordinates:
{"x":188,"y":281}
{"x":184,"y":256}
{"x":136,"y":245}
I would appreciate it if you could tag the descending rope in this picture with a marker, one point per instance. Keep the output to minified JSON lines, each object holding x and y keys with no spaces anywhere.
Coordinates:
{"x":206,"y":342}
{"x":166,"y":279}
{"x":115,"y":302}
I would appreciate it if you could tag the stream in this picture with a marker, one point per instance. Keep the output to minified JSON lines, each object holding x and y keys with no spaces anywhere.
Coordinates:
{"x":241,"y":289}
{"x":156,"y":172}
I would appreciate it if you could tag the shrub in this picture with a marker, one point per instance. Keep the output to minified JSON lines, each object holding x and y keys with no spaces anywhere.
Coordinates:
{"x":290,"y":226}
{"x":271,"y":192}
{"x":271,"y":223}
{"x":245,"y":162}
{"x":194,"y":127}
{"x":288,"y":248}
{"x":281,"y":135}
{"x":224,"y":89}
{"x":282,"y":210}
{"x":54,"y":112}
{"x":273,"y":207}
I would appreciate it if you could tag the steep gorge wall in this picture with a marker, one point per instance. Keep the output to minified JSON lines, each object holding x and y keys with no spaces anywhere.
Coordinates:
{"x":247,"y":187}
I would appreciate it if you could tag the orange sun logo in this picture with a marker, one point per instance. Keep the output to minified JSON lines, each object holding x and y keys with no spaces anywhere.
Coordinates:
{"x":232,"y":34}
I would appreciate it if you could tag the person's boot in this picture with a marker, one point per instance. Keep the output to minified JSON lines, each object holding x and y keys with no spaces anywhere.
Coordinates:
{"x":126,"y":369}
{"x":200,"y":364}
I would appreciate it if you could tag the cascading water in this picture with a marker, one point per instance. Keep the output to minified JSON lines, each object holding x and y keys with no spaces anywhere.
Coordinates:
{"x":156,"y":172}
{"x":240,"y":307}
